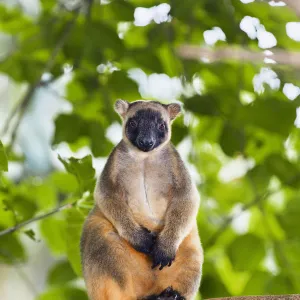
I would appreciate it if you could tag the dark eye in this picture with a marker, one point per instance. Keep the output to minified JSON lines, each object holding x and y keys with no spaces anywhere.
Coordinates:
{"x":162,"y":126}
{"x":132,"y":124}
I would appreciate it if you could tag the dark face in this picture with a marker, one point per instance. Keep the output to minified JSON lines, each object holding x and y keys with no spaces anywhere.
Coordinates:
{"x":146,"y":130}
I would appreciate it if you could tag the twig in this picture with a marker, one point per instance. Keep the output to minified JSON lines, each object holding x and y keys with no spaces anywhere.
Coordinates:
{"x":238,"y":54}
{"x":26,"y":100}
{"x":245,"y":207}
{"x":86,"y":28}
{"x":229,"y":219}
{"x":293,"y":4}
{"x":37,"y":218}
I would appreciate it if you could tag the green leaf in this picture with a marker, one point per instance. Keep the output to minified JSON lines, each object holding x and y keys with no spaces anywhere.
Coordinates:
{"x":203,"y":105}
{"x":143,"y":58}
{"x":102,"y":43}
{"x":228,"y":193}
{"x":53,"y":231}
{"x":279,"y":285}
{"x":171,"y":63}
{"x":213,"y":287}
{"x":289,"y":219}
{"x":13,"y":21}
{"x":60,"y":274}
{"x":179,"y":131}
{"x":21,"y":206}
{"x":287,"y":257}
{"x":7,"y":218}
{"x":256,"y":284}
{"x":117,"y":10}
{"x":287,"y":172}
{"x":122,"y":86}
{"x":100,"y":146}
{"x":262,"y":143}
{"x":260,"y":177}
{"x":3,"y":159}
{"x":183,"y":10}
{"x":232,"y":140}
{"x":109,"y":37}
{"x":11,"y":249}
{"x":64,"y":182}
{"x":273,"y":224}
{"x":136,"y":37}
{"x":76,"y":91}
{"x":21,"y":67}
{"x":75,"y":221}
{"x":70,"y":128}
{"x":64,"y":293}
{"x":44,"y":195}
{"x":246,"y":252}
{"x":31,"y":234}
{"x":83,"y":170}
{"x":207,"y":162}
{"x":270,"y":114}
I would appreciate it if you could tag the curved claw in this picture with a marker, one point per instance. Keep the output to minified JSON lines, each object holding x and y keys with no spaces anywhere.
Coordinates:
{"x":163,"y":263}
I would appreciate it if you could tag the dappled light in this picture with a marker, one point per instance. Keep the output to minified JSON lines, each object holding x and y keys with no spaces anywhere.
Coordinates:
{"x":233,"y":65}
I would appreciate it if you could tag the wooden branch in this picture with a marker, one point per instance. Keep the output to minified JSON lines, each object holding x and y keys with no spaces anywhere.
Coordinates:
{"x":267,"y":297}
{"x":87,"y":24}
{"x":281,"y":57}
{"x":293,"y":4}
{"x":37,"y":218}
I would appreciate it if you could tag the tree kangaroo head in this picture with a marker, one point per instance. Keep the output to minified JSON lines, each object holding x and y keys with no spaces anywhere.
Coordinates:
{"x":147,"y":124}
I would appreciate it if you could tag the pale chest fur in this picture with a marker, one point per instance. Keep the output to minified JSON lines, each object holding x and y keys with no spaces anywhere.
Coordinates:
{"x":148,"y":184}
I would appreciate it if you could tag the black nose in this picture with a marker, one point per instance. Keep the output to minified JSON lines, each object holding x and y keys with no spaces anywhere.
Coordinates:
{"x":145,"y":143}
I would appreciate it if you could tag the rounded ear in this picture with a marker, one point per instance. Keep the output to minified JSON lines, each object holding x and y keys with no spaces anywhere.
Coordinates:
{"x":121,"y":107}
{"x":174,"y":110}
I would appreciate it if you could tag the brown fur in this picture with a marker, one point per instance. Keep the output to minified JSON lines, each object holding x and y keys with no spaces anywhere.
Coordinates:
{"x":152,"y":190}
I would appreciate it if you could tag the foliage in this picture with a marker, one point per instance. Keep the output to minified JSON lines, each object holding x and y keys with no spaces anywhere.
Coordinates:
{"x":3,"y":159}
{"x":221,"y":127}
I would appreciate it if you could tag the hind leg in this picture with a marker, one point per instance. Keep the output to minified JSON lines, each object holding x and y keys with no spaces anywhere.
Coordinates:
{"x":106,"y":288}
{"x":182,"y":279}
{"x":112,"y":269}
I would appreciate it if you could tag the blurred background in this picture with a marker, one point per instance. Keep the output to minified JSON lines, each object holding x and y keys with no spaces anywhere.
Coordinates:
{"x":235,"y":66}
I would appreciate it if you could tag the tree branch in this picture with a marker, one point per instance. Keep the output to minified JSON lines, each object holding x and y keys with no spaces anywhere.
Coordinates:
{"x":86,"y":28}
{"x":245,"y":207}
{"x":238,"y":54}
{"x":229,"y":219}
{"x":293,"y":4}
{"x":37,"y":218}
{"x":265,"y":297}
{"x":49,"y":65}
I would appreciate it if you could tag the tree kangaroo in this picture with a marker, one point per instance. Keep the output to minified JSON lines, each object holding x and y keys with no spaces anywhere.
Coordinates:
{"x":141,"y":240}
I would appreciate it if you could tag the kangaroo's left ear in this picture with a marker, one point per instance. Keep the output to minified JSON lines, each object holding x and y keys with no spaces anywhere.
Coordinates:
{"x":174,"y":109}
{"x":121,"y":107}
